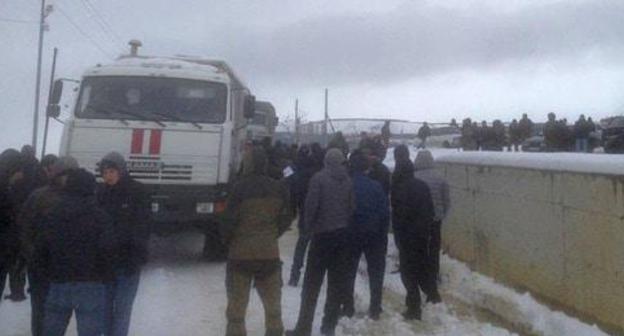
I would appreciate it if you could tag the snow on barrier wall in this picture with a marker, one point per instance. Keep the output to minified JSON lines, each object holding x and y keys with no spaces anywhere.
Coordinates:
{"x":549,"y":223}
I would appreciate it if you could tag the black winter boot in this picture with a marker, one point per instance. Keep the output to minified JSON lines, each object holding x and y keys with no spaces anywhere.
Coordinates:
{"x":412,"y":314}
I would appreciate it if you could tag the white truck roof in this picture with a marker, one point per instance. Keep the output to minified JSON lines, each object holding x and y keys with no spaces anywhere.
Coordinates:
{"x":185,"y":67}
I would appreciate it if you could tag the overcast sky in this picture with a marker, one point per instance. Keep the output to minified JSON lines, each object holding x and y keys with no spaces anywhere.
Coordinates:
{"x":415,"y":60}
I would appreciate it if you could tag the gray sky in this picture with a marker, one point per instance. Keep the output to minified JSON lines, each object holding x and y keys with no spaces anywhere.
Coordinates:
{"x":416,"y":60}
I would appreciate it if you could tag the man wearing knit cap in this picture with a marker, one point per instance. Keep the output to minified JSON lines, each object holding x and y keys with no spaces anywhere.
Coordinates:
{"x":329,"y":207}
{"x":440,"y":196}
{"x":124,"y":200}
{"x":31,"y":223}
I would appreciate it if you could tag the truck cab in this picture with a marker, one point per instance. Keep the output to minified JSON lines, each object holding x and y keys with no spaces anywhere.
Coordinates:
{"x":263,"y":123}
{"x":179,"y":123}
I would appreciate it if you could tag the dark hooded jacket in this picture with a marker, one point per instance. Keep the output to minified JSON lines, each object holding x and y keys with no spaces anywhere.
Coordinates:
{"x":305,"y":168}
{"x":258,"y":212}
{"x":10,"y":163}
{"x":39,"y":204}
{"x":412,"y":207}
{"x":330,"y":202}
{"x":127,"y":204}
{"x":78,"y":243}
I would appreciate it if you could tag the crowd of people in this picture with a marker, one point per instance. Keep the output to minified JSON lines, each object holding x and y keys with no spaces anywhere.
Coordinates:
{"x":81,"y":245}
{"x":558,"y":135}
{"x":346,"y":203}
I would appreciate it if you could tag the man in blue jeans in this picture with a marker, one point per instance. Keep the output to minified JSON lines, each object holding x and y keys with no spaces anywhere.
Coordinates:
{"x":73,"y":250}
{"x":124,"y":200}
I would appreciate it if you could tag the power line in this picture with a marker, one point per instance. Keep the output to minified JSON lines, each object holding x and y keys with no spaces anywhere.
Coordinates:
{"x":88,"y":18}
{"x":103,"y":21}
{"x":17,"y":20}
{"x":83,"y":33}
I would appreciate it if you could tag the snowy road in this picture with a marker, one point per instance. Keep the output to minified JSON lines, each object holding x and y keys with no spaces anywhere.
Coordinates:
{"x":181,"y":295}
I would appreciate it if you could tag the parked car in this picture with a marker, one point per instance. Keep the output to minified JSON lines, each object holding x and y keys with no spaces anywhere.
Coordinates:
{"x":534,"y":144}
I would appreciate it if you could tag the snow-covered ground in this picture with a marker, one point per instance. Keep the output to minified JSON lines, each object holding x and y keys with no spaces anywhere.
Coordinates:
{"x":182,"y":295}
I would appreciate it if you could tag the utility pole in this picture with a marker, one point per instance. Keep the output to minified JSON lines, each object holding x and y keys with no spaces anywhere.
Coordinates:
{"x":325,"y":135}
{"x":297,"y":122}
{"x":47,"y":118}
{"x":42,"y":17}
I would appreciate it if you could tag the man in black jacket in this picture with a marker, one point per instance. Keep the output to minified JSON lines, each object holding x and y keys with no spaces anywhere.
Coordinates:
{"x":10,"y":171}
{"x":74,"y":250}
{"x":31,"y":221}
{"x":412,"y":216}
{"x":32,"y":176}
{"x":124,"y":200}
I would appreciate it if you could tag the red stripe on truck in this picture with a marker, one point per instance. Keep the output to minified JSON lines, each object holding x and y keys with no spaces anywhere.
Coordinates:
{"x":137,"y":141}
{"x":155,"y":142}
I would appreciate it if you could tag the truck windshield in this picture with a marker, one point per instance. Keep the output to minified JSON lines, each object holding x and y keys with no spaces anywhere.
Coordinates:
{"x":151,"y":98}
{"x":259,"y":118}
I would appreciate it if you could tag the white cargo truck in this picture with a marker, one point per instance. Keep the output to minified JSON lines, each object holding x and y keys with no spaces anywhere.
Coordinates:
{"x":263,"y":123}
{"x":180,"y":122}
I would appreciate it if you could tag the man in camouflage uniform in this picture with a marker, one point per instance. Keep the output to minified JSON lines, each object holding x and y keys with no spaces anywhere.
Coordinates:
{"x":257,"y":215}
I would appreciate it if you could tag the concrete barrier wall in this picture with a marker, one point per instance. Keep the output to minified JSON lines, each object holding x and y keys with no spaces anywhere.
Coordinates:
{"x":558,"y":234}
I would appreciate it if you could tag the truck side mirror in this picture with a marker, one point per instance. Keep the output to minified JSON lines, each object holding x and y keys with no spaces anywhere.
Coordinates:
{"x":275,"y":121}
{"x":250,"y":107}
{"x":53,"y":111}
{"x":57,"y":91}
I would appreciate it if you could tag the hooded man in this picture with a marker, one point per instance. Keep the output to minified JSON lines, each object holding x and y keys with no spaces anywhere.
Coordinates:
{"x":258,"y":213}
{"x":31,"y":223}
{"x":125,"y":201}
{"x":74,"y":251}
{"x":412,"y":214}
{"x":440,"y":196}
{"x":329,"y":206}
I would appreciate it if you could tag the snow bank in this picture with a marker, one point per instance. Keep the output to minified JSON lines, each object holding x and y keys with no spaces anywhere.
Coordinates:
{"x":459,"y":283}
{"x":564,"y":162}
{"x":521,"y":310}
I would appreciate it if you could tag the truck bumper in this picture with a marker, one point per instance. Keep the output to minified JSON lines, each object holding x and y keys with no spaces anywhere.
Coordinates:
{"x":179,"y":207}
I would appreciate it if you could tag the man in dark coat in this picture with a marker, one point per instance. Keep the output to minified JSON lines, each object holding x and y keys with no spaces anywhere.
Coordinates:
{"x":305,"y":167}
{"x":31,"y":222}
{"x":552,"y":138}
{"x":258,"y":213}
{"x":31,"y":178}
{"x":526,"y":127}
{"x":423,"y":133}
{"x":125,"y":201}
{"x":515,"y":136}
{"x":369,"y":234}
{"x":582,"y":129}
{"x":412,"y":215}
{"x":376,"y":152}
{"x":74,"y":251}
{"x":10,"y":171}
{"x":329,"y":206}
